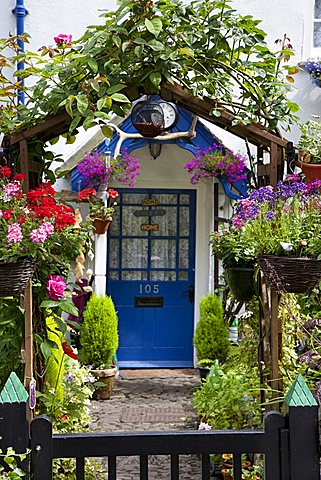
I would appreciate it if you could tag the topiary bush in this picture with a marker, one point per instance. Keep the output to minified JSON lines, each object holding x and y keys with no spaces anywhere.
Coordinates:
{"x":211,"y":337}
{"x":99,"y":332}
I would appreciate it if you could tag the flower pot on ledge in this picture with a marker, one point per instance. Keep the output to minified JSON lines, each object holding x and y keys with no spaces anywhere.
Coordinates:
{"x":101,"y":226}
{"x":311,"y":171}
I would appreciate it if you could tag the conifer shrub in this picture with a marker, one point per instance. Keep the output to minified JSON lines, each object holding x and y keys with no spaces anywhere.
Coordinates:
{"x":211,"y":337}
{"x":99,"y":332}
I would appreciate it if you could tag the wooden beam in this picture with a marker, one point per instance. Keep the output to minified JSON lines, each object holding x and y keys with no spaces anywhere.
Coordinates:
{"x":202,"y":106}
{"x":52,"y":126}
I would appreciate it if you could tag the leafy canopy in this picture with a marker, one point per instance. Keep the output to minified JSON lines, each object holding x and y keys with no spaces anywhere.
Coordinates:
{"x":205,"y":46}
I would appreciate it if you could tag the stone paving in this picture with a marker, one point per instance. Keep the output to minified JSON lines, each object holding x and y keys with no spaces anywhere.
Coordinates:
{"x":146,"y":400}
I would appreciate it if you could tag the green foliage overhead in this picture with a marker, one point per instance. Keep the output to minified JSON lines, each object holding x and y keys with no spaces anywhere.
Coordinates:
{"x":99,"y":334}
{"x":211,"y":334}
{"x":205,"y":46}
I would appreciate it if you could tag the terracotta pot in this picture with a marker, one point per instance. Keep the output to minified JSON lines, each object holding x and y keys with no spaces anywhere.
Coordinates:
{"x":311,"y":171}
{"x":226,"y":475}
{"x":101,"y":226}
{"x":106,"y":376}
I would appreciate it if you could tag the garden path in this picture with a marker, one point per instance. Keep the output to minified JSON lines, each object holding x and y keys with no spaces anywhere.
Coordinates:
{"x":145,"y":400}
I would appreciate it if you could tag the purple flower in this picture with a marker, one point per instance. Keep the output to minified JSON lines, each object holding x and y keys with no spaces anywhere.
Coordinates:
{"x":215,"y":161}
{"x":56,"y":287}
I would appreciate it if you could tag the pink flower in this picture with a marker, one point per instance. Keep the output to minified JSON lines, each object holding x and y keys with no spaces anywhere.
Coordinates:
{"x":11,"y":190}
{"x":14,"y":233}
{"x":48,"y":228}
{"x":56,"y":287}
{"x":40,"y":234}
{"x":63,"y":39}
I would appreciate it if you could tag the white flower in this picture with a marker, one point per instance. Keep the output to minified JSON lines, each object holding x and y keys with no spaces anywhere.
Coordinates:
{"x":204,"y":426}
{"x":87,"y":289}
{"x":89,"y":273}
{"x":286,"y":246}
{"x":90,"y":255}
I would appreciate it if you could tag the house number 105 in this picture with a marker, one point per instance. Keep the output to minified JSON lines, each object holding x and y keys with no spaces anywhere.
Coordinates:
{"x":148,"y":288}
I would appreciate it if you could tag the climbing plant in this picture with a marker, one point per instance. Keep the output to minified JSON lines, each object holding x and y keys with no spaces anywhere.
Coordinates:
{"x":205,"y":46}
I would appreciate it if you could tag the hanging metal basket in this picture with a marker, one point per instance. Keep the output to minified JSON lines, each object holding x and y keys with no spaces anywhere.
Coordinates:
{"x":148,"y":118}
{"x":292,"y":275}
{"x":14,"y":276}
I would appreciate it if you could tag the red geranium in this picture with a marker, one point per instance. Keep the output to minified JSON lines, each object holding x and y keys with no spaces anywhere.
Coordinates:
{"x":19,"y":177}
{"x":5,"y":172}
{"x":86,"y":194}
{"x":113,"y":194}
{"x":7,"y":215}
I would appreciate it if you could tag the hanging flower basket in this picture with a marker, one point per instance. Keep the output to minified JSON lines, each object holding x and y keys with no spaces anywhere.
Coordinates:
{"x":292,"y":275}
{"x":101,"y":226}
{"x":241,"y":282}
{"x":14,"y":276}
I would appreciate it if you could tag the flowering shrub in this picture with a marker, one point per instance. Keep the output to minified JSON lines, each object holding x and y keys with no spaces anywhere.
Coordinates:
{"x":95,"y":169}
{"x":286,"y":221}
{"x":31,"y":224}
{"x":63,"y":39}
{"x":216,"y":161}
{"x":314,"y":70}
{"x":98,"y":209}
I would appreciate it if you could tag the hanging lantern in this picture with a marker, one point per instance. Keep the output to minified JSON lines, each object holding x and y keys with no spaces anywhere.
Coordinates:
{"x":148,"y":118}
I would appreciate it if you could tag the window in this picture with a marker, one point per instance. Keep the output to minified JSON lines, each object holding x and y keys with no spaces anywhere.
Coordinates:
{"x":317,"y":24}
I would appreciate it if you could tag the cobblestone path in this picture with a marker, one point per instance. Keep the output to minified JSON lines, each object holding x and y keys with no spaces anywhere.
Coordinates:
{"x":146,"y":400}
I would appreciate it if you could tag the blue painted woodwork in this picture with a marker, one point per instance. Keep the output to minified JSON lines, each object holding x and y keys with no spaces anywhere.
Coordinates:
{"x":20,"y":12}
{"x":153,"y":336}
{"x":203,"y":138}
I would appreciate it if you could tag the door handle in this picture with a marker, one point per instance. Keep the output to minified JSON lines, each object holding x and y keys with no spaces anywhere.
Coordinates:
{"x":191,"y":293}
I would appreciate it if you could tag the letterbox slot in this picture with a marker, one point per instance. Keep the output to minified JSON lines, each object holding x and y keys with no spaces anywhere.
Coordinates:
{"x":149,"y":302}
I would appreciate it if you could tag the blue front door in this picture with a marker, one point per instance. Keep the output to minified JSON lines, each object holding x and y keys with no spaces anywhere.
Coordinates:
{"x":150,"y":276}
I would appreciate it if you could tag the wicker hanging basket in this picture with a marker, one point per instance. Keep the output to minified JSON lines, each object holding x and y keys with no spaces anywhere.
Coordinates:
{"x":292,"y":275}
{"x":14,"y":276}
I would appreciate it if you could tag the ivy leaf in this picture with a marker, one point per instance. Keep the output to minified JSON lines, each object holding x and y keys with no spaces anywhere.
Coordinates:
{"x":93,"y":65}
{"x":82,"y":103}
{"x":107,"y":131}
{"x":154,"y":26}
{"x":115,"y":88}
{"x":70,"y":100}
{"x":155,"y":78}
{"x":187,"y":51}
{"x":119,"y":97}
{"x":156,"y":45}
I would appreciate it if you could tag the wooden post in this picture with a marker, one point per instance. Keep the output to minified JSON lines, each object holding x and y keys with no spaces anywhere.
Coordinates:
{"x":216,"y":225}
{"x":24,"y":164}
{"x":276,"y":345}
{"x":28,"y":336}
{"x":302,"y":421}
{"x":41,"y":448}
{"x":274,"y":156}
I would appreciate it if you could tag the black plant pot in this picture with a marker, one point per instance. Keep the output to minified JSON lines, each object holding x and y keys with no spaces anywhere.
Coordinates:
{"x":241,"y":282}
{"x":204,"y":371}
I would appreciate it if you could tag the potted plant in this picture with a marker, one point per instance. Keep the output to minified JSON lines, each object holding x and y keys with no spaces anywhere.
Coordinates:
{"x":211,"y":333}
{"x":238,"y":260}
{"x":99,"y":342}
{"x":217,"y":161}
{"x":96,"y":169}
{"x":283,"y":229}
{"x":309,"y":157}
{"x":35,"y":228}
{"x":100,"y":211}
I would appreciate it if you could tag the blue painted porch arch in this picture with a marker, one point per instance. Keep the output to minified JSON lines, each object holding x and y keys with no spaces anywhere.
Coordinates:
{"x":203,"y":138}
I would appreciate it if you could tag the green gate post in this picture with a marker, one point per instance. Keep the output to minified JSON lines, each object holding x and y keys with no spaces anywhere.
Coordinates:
{"x":302,"y":420}
{"x":14,"y":426}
